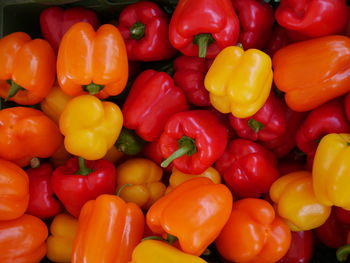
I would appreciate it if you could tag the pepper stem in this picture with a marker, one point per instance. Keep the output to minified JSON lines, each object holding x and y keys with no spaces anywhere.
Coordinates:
{"x":342,"y":253}
{"x":137,"y":30}
{"x":169,"y":238}
{"x":122,"y":188}
{"x":13,"y":89}
{"x":93,"y":88}
{"x":35,"y":162}
{"x":255,"y":125}
{"x":203,"y":41}
{"x":186,"y":146}
{"x":83,"y":170}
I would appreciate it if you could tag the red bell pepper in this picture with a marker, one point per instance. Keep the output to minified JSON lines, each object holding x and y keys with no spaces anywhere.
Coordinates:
{"x":193,"y":141}
{"x":153,"y":98}
{"x":312,"y":18}
{"x":189,"y":75}
{"x":267,"y":124}
{"x":203,"y":28}
{"x":278,"y":39}
{"x":248,"y":169}
{"x":153,"y":151}
{"x":42,"y":202}
{"x":256,"y":18}
{"x":287,"y":165}
{"x":144,"y":27}
{"x":78,"y":182}
{"x":347,"y":105}
{"x":342,"y":215}
{"x":55,"y":21}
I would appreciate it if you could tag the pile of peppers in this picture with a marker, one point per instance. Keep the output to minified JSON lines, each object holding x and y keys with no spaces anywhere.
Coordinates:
{"x":184,"y":131}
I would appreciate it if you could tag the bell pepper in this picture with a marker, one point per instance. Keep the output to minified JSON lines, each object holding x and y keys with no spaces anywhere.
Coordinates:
{"x":278,"y":39}
{"x":313,"y":72}
{"x":253,"y":233}
{"x":342,"y":215}
{"x":145,"y":29}
{"x":22,"y":240}
{"x":129,"y":143}
{"x":247,"y":168}
{"x":330,"y":170}
{"x":14,"y":191}
{"x":139,"y":182}
{"x":90,"y":126}
{"x":306,"y":212}
{"x":93,"y":62}
{"x":27,"y":133}
{"x":78,"y":182}
{"x":193,"y":141}
{"x":159,"y":252}
{"x":55,"y":21}
{"x":343,"y":252}
{"x":239,"y":81}
{"x":312,"y":18}
{"x":203,"y":28}
{"x":347,"y":105}
{"x":27,"y":68}
{"x":301,"y":248}
{"x":60,"y":243}
{"x":108,"y":231}
{"x":267,"y":124}
{"x":189,"y":75}
{"x":60,"y":157}
{"x":153,"y":98}
{"x":256,"y":18}
{"x":206,"y":211}
{"x":153,"y":152}
{"x":42,"y":202}
{"x":113,"y":155}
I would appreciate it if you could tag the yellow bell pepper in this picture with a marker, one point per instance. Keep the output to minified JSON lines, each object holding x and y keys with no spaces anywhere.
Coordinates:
{"x":59,"y":245}
{"x":90,"y":126}
{"x":239,"y":81}
{"x":144,"y":177}
{"x":331,"y":170}
{"x":296,"y":202}
{"x":177,"y":177}
{"x":155,"y":251}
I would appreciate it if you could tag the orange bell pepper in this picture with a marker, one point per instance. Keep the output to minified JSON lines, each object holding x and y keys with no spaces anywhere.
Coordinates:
{"x":27,"y":68}
{"x":94,"y":62}
{"x":108,"y":231}
{"x":194,"y":212}
{"x":14,"y":191}
{"x":22,"y":240}
{"x":314,"y":71}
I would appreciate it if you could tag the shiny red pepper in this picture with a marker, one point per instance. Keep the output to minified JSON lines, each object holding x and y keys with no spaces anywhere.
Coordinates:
{"x":153,"y":98}
{"x":144,"y":27}
{"x":248,"y":168}
{"x":256,"y":18}
{"x":278,"y":39}
{"x":78,"y":182}
{"x":42,"y":202}
{"x":55,"y":21}
{"x":203,"y":28}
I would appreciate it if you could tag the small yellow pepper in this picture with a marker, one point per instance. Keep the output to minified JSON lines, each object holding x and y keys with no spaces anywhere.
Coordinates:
{"x":296,"y":202}
{"x":144,"y":177}
{"x":59,"y":245}
{"x":90,"y":126}
{"x":239,"y":81}
{"x":155,"y":251}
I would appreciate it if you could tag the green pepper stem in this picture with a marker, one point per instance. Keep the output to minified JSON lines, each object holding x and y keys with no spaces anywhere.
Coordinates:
{"x":255,"y":125}
{"x":35,"y":162}
{"x":83,"y":170}
{"x":169,"y":239}
{"x":342,"y":253}
{"x":137,"y":30}
{"x":93,"y":88}
{"x":14,"y":89}
{"x":153,"y":238}
{"x":122,"y":188}
{"x":203,"y":41}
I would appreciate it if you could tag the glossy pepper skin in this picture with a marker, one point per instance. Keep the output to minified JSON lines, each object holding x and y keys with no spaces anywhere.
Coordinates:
{"x":219,"y":27}
{"x":63,"y":230}
{"x":28,"y":234}
{"x":145,"y":29}
{"x":29,"y":133}
{"x":42,"y":202}
{"x":198,"y":135}
{"x":152,"y":100}
{"x":267,"y":124}
{"x":256,"y":19}
{"x":144,"y":177}
{"x":120,"y":229}
{"x":253,"y":233}
{"x":74,"y":186}
{"x":315,"y":69}
{"x":247,"y":168}
{"x":206,"y":210}
{"x":189,"y":75}
{"x":239,"y":81}
{"x":94,"y":62}
{"x":312,"y":18}
{"x":297,"y":188}
{"x":27,"y":68}
{"x":90,"y":126}
{"x":14,"y":190}
{"x":158,"y":252}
